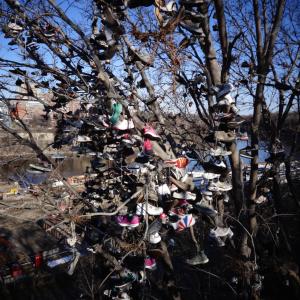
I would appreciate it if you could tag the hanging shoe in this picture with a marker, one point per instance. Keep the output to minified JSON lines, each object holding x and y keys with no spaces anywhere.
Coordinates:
{"x":224,"y":89}
{"x":156,"y":225}
{"x":117,"y":110}
{"x":219,"y":151}
{"x":83,"y":139}
{"x":124,"y":125}
{"x":199,"y":259}
{"x":226,"y":198}
{"x":14,"y":27}
{"x":210,"y":176}
{"x":219,"y":186}
{"x":123,"y":221}
{"x":186,"y":222}
{"x":142,"y":209}
{"x":150,"y":132}
{"x":148,"y":149}
{"x":154,"y":238}
{"x":261,"y":199}
{"x":221,"y":232}
{"x":184,"y":195}
{"x":150,"y":263}
{"x":213,"y":168}
{"x":163,"y":190}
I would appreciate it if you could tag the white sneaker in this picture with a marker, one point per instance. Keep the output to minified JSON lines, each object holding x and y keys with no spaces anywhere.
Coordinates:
{"x":14,"y":27}
{"x":260,"y":199}
{"x":219,"y":152}
{"x":221,"y":232}
{"x":163,"y":190}
{"x":124,"y":124}
{"x":142,"y":209}
{"x":210,"y":176}
{"x":184,"y":195}
{"x":226,"y":198}
{"x":83,"y":139}
{"x":72,"y":241}
{"x":190,"y":196}
{"x":154,"y":238}
{"x":229,"y":99}
{"x":173,"y":188}
{"x":220,"y":186}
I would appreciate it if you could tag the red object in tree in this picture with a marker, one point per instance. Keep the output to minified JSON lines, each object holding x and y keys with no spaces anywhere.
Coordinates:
{"x":38,"y":260}
{"x":16,"y":271}
{"x":18,"y":112}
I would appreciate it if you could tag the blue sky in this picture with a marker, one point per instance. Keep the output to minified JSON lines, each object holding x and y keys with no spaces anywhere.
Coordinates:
{"x":76,"y":15}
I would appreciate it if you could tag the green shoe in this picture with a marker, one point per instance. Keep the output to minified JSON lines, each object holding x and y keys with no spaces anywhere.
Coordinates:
{"x":117,"y":110}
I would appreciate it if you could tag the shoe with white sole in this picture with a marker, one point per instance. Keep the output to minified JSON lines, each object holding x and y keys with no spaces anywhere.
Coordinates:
{"x":199,"y":259}
{"x":154,"y":238}
{"x":124,"y":125}
{"x":163,"y":190}
{"x":83,"y":139}
{"x":184,"y":195}
{"x":221,"y":232}
{"x":150,"y":263}
{"x":143,"y":208}
{"x":219,"y":186}
{"x":219,"y":152}
{"x":210,"y":176}
{"x":226,"y":198}
{"x":124,"y":221}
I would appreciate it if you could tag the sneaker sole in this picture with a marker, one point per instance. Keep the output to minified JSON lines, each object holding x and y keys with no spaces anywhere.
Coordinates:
{"x":134,"y":225}
{"x":151,"y":268}
{"x":124,"y":225}
{"x":198,"y":263}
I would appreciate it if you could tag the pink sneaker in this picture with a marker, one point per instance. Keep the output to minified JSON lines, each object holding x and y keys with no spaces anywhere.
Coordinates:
{"x":123,"y":221}
{"x":148,"y":147}
{"x":135,"y":221}
{"x":150,"y":132}
{"x":150,"y":263}
{"x":183,"y":203}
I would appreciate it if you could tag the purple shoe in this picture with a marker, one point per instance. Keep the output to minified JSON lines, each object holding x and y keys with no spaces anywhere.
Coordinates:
{"x":123,"y":221}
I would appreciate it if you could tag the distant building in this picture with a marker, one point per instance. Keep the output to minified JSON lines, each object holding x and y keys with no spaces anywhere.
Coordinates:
{"x":4,"y":114}
{"x":33,"y":110}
